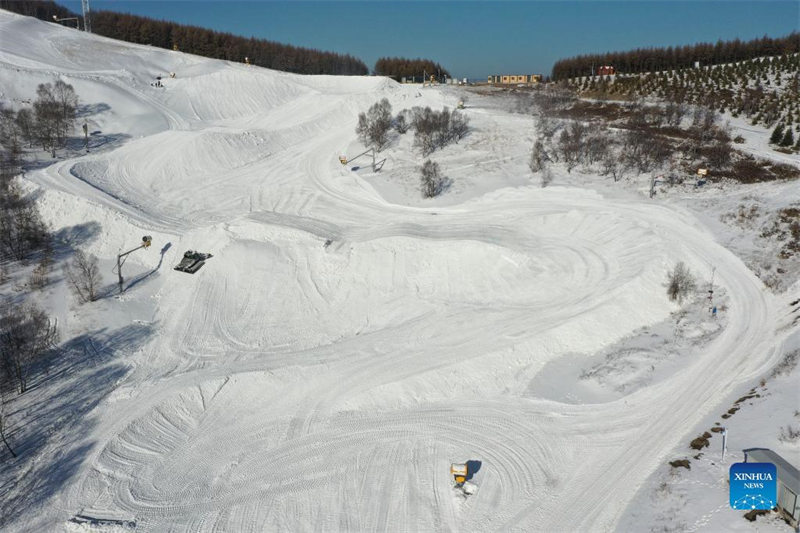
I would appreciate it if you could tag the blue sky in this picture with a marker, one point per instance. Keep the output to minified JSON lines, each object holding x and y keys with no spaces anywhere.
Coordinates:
{"x":476,"y":38}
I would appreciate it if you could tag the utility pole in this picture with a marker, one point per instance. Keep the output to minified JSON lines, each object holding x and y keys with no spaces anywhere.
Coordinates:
{"x":146,"y":241}
{"x":87,"y":22}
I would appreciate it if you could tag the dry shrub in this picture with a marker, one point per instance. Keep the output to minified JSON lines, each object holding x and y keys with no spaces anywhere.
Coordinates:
{"x":749,"y":171}
{"x":680,"y":463}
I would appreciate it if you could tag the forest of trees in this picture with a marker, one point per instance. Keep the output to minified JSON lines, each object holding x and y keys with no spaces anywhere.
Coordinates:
{"x":398,"y":67}
{"x":201,"y":41}
{"x":766,"y":90}
{"x":670,"y":58}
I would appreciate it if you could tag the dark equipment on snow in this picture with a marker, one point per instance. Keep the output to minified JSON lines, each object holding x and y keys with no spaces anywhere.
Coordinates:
{"x":192,"y":261}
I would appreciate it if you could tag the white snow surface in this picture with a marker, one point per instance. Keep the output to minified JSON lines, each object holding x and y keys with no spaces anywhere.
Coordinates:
{"x":294,"y":386}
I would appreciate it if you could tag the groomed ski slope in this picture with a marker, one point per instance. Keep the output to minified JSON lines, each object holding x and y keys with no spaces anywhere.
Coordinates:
{"x":296,"y":387}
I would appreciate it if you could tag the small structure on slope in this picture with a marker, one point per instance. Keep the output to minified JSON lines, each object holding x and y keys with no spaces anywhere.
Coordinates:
{"x":788,"y":482}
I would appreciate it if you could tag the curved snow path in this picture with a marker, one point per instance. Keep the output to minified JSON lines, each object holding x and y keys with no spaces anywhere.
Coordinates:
{"x":291,"y":386}
{"x":329,"y":447}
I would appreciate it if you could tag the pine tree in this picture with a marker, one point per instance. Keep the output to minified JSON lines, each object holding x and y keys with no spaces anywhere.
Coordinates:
{"x":788,"y":138}
{"x":777,"y":134}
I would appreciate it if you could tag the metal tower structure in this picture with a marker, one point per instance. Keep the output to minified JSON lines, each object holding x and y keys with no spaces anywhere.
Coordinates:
{"x":87,"y":22}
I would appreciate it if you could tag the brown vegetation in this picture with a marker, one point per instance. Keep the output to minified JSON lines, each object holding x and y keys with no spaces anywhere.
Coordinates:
{"x":684,"y":463}
{"x":700,"y":442}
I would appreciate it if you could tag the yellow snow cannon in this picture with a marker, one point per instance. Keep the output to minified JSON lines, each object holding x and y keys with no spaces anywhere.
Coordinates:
{"x":459,"y":472}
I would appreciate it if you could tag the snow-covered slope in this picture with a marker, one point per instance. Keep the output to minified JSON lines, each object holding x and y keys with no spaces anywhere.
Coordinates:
{"x":294,"y":385}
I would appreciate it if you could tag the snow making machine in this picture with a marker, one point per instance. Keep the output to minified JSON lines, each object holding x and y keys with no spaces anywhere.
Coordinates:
{"x":460,"y":473}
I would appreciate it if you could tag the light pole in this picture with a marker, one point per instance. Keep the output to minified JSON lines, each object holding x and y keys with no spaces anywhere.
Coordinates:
{"x":77,"y":21}
{"x":146,"y":241}
{"x":343,"y":159}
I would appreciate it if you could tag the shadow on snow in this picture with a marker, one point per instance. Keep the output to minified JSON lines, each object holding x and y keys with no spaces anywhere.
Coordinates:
{"x":64,"y":389}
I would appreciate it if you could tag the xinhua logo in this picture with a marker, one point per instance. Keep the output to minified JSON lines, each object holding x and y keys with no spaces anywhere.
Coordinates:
{"x":753,"y":486}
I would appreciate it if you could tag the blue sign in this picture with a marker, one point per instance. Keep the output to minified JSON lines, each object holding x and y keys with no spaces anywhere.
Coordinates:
{"x":753,"y":486}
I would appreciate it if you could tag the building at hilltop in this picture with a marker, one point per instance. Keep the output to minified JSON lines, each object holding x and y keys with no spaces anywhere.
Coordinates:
{"x":515,"y":79}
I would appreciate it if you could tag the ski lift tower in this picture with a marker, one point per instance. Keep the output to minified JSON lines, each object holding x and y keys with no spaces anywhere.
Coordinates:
{"x":87,"y":23}
{"x":147,"y":240}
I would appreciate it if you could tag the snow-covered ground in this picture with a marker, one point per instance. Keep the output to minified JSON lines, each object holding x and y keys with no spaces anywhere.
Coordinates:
{"x":294,"y":385}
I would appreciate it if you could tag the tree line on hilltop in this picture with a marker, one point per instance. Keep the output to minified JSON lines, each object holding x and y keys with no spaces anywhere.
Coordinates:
{"x":201,"y":41}
{"x":676,"y":57}
{"x":399,"y":67}
{"x":218,"y":45}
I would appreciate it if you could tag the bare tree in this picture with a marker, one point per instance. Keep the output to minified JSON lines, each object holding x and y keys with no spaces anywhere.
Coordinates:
{"x":546,"y":126}
{"x":539,"y":157}
{"x":10,"y":159}
{"x":21,"y":227}
{"x":9,"y":129}
{"x":719,"y":153}
{"x":613,"y":165}
{"x":362,"y":129}
{"x":48,"y":118}
{"x":374,"y":125}
{"x":26,"y":123}
{"x":442,"y":134}
{"x":432,"y":181}
{"x":637,"y":115}
{"x":547,"y":176}
{"x":598,"y":144}
{"x":571,"y":144}
{"x":39,"y":277}
{"x":401,"y":122}
{"x":680,"y":283}
{"x":426,"y":123}
{"x":644,"y":151}
{"x":710,"y":118}
{"x":3,"y":422}
{"x":459,"y":125}
{"x":436,"y":129}
{"x":67,"y":105}
{"x":26,"y":334}
{"x":553,"y":99}
{"x":83,"y":276}
{"x":674,"y":113}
